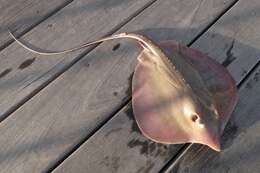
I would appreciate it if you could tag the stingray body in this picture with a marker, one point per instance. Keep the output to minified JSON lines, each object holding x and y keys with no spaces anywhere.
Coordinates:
{"x":179,"y":94}
{"x":187,"y":99}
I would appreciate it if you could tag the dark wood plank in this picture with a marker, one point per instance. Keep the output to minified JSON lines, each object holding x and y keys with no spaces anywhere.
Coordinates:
{"x":235,"y":38}
{"x":119,"y":147}
{"x":240,"y":142}
{"x":241,"y":23}
{"x":30,"y":153}
{"x":23,"y":74}
{"x":21,"y":15}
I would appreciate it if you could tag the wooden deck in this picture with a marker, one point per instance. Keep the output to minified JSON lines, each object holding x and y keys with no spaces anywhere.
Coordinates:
{"x":72,"y":113}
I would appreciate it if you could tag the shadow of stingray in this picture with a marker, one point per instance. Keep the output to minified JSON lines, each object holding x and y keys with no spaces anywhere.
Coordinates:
{"x":242,"y":157}
{"x":240,"y":140}
{"x":232,"y":130}
{"x":72,"y":137}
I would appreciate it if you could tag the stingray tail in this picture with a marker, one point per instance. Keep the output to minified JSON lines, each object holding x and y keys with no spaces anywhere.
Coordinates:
{"x":143,"y":41}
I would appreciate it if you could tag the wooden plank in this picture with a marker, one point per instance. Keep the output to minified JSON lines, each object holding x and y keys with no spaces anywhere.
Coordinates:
{"x":48,"y":126}
{"x":236,"y":34}
{"x":28,"y":153}
{"x":67,"y":111}
{"x":241,"y":23}
{"x":240,"y":141}
{"x":23,"y":74}
{"x":119,"y":147}
{"x":22,"y":15}
{"x":27,"y":73}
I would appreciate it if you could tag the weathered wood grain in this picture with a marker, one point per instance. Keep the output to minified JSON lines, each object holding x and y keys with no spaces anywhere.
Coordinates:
{"x":237,"y":35}
{"x":240,"y":142}
{"x":23,"y":74}
{"x":63,"y":114}
{"x":240,"y":138}
{"x":242,"y":23}
{"x":21,"y":15}
{"x":119,"y":147}
{"x":49,"y":125}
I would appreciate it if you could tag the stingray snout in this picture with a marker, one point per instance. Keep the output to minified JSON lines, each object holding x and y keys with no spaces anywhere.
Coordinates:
{"x":213,"y":141}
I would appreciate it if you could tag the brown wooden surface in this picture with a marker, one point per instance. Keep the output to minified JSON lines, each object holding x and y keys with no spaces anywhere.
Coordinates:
{"x":123,"y":142}
{"x":22,"y":15}
{"x":120,"y":147}
{"x":44,"y":131}
{"x":66,"y":111}
{"x":24,"y":73}
{"x":240,"y":140}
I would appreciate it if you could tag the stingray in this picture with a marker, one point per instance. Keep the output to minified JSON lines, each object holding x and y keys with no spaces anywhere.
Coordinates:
{"x":179,"y":94}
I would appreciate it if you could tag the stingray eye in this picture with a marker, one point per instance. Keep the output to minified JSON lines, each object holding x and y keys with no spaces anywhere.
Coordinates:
{"x":195,"y":118}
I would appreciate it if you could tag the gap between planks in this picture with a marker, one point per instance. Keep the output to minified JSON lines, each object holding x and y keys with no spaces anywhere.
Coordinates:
{"x":57,"y":9}
{"x":128,"y":100}
{"x":175,"y":159}
{"x":69,"y":65}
